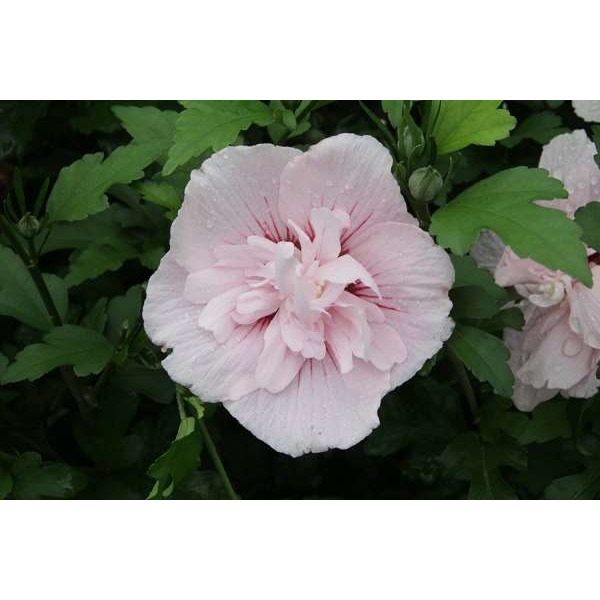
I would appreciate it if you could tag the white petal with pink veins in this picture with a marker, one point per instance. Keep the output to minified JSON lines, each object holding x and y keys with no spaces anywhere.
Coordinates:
{"x":570,"y":158}
{"x":348,"y":172}
{"x":234,"y":194}
{"x":321,"y":409}
{"x":585,"y":310}
{"x":292,"y":295}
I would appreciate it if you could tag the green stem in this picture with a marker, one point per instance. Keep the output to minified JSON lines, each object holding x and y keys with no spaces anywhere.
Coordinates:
{"x":420,"y":210}
{"x":38,"y":279}
{"x":381,"y":128}
{"x":181,"y":408}
{"x":465,"y":383}
{"x":212,"y":450}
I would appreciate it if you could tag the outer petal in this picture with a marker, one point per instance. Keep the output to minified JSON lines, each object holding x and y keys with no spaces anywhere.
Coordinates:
{"x":588,"y":110}
{"x":585,"y":310}
{"x":320,"y":409}
{"x":234,"y":194}
{"x":547,"y":353}
{"x":570,"y":158}
{"x":414,"y":276}
{"x":211,"y":370}
{"x":348,"y":172}
{"x":526,"y":397}
{"x":488,"y":250}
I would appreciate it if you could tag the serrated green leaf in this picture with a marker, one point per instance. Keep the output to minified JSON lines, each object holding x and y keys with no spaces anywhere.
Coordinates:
{"x":150,"y":128}
{"x":540,"y":127}
{"x":48,"y":481}
{"x":182,"y":458}
{"x":588,"y":218}
{"x":96,"y":259}
{"x":460,"y":123}
{"x":468,"y":457}
{"x":548,"y":421}
{"x":484,"y":355}
{"x":163,"y":194}
{"x":84,"y":349}
{"x":504,"y":203}
{"x":20,"y":299}
{"x":213,"y":124}
{"x":582,"y":486}
{"x":80,"y":189}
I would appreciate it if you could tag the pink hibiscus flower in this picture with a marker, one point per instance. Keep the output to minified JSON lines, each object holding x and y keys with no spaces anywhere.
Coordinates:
{"x":558,"y":349}
{"x":298,"y":290}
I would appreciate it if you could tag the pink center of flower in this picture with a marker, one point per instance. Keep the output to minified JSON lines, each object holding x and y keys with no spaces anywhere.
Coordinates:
{"x":308,"y":299}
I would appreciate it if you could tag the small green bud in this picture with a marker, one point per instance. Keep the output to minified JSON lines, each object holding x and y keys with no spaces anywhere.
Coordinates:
{"x":28,"y":226}
{"x":425,"y":183}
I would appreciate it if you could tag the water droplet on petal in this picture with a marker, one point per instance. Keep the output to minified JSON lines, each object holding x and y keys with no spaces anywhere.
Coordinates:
{"x":572,"y":346}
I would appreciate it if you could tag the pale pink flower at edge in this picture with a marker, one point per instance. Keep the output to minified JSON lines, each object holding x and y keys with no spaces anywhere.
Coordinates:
{"x":298,"y":290}
{"x":558,"y":349}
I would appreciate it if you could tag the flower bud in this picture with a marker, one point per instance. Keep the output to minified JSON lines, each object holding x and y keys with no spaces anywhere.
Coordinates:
{"x":425,"y":183}
{"x":28,"y":226}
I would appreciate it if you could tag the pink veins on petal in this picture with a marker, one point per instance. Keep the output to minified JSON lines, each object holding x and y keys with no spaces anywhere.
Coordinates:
{"x":299,"y":293}
{"x":298,"y":290}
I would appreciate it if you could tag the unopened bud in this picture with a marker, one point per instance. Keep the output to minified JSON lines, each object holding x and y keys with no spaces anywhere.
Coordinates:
{"x":28,"y":226}
{"x":425,"y":183}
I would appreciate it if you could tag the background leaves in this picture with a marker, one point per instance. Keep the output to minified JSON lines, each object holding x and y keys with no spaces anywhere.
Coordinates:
{"x":116,"y":173}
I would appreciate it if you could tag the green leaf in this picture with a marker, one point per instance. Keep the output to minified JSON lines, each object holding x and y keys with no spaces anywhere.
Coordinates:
{"x":588,"y":218}
{"x":540,"y":127}
{"x":163,"y":194}
{"x":151,"y":382}
{"x":498,"y":418}
{"x":150,"y":128}
{"x":99,"y":228}
{"x":511,"y":318}
{"x":548,"y":421}
{"x":182,"y":458}
{"x":484,"y":355}
{"x":460,"y":123}
{"x":124,"y":311}
{"x":85,"y":349}
{"x":394,"y":110}
{"x":20,"y":299}
{"x":80,"y":189}
{"x":468,"y":457}
{"x":504,"y":204}
{"x":201,"y":485}
{"x":475,"y":294}
{"x":213,"y":124}
{"x":423,"y":412}
{"x":107,"y":441}
{"x":97,"y":259}
{"x":582,"y":486}
{"x":54,"y":480}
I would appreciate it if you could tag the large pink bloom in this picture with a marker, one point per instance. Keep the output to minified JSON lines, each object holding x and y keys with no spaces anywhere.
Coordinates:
{"x":558,"y":349}
{"x":298,"y":290}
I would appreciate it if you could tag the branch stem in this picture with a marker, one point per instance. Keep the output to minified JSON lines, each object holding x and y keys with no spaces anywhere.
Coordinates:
{"x":214,"y":455}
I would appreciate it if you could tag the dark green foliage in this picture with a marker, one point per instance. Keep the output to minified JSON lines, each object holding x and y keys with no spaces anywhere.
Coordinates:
{"x":89,"y":190}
